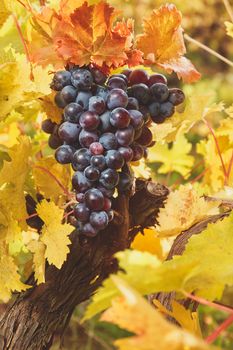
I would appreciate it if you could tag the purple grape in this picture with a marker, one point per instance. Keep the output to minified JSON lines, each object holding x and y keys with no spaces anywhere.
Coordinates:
{"x":80,"y":182}
{"x":99,"y":220}
{"x":94,"y":199}
{"x":89,"y":121}
{"x":137,"y":119}
{"x":69,"y":132}
{"x":96,"y":104}
{"x":125,"y":136}
{"x":159,"y":92}
{"x":117,"y":98}
{"x":96,"y":148}
{"x":138,"y":151}
{"x":126,"y":153}
{"x":120,"y":118}
{"x":48,"y":126}
{"x":137,"y":134}
{"x":89,"y":230}
{"x":146,"y":137}
{"x":81,"y":159}
{"x":176,"y":96}
{"x":102,"y":92}
{"x":167,"y":109}
{"x":98,"y":76}
{"x":145,"y":112}
{"x":106,"y":192}
{"x":138,"y":76}
{"x":83,"y":98}
{"x":59,"y":100}
{"x":107,"y":204}
{"x":154,"y":110}
{"x":60,"y":80}
{"x":68,"y":93}
{"x":64,"y":154}
{"x":80,"y":197}
{"x":122,"y":76}
{"x":157,"y":78}
{"x":72,"y":112}
{"x":54,"y":141}
{"x":132,"y":103}
{"x":86,"y":138}
{"x":92,"y":173}
{"x":105,"y":125}
{"x":82,"y":79}
{"x":127,"y":72}
{"x":108,"y":141}
{"x":81,"y":212}
{"x":114,"y":159}
{"x":141,"y":92}
{"x":117,"y":83}
{"x":109,"y":178}
{"x":98,"y":162}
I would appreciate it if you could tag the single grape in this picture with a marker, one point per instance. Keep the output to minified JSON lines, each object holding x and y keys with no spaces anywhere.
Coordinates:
{"x":125,"y":182}
{"x":141,"y":92}
{"x":94,"y":199}
{"x":80,"y":182}
{"x":126,"y":153}
{"x":89,"y":121}
{"x":137,"y":119}
{"x":80,"y":197}
{"x":138,"y":151}
{"x":137,"y":134}
{"x":159,"y":92}
{"x":92,"y":173}
{"x":154,"y":110}
{"x":159,"y":119}
{"x":125,"y":136}
{"x":101,"y":91}
{"x":138,"y":76}
{"x":126,"y":72}
{"x":98,"y":162}
{"x":96,"y":148}
{"x":106,"y":192}
{"x":145,"y":137}
{"x":132,"y":103}
{"x":86,"y":138}
{"x":105,"y":124}
{"x":120,"y":118}
{"x":60,"y":80}
{"x":54,"y":141}
{"x":99,"y":220}
{"x":157,"y":78}
{"x":114,"y":159}
{"x":48,"y":126}
{"x":68,"y":93}
{"x":107,"y":204}
{"x":117,"y":98}
{"x":122,"y":76}
{"x":89,"y":230}
{"x":69,"y":132}
{"x":72,"y":112}
{"x":145,"y":112}
{"x":59,"y":100}
{"x":176,"y":96}
{"x":167,"y":109}
{"x":64,"y":154}
{"x":109,"y":178}
{"x":82,"y":79}
{"x":81,"y":212}
{"x":117,"y":83}
{"x":98,"y":76}
{"x":108,"y":141}
{"x":83,"y":98}
{"x":96,"y":104}
{"x":81,"y":159}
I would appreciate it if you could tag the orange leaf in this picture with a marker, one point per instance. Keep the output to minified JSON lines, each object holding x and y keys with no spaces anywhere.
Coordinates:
{"x":163,"y":44}
{"x":87,"y":34}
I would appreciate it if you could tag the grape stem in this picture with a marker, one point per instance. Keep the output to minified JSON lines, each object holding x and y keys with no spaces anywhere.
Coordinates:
{"x":229,"y":9}
{"x":209,"y":303}
{"x":208,"y":49}
{"x":212,"y":337}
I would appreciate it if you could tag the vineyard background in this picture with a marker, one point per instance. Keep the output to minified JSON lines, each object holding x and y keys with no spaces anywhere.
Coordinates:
{"x":204,"y":21}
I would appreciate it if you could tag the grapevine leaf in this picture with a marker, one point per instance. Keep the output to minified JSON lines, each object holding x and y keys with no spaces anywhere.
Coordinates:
{"x":132,"y":312}
{"x":9,"y":276}
{"x":175,"y":158}
{"x":162,"y":43}
{"x":148,"y":242}
{"x":38,"y":250}
{"x":54,"y":234}
{"x":183,"y":209}
{"x":140,"y":169}
{"x":229,"y":28}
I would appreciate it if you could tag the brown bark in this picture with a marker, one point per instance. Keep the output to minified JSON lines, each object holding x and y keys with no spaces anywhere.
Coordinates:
{"x":32,"y":320}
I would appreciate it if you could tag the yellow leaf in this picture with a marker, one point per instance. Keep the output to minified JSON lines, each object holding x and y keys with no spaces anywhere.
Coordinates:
{"x":9,"y":276}
{"x":38,"y":250}
{"x":183,"y":208}
{"x":49,"y":107}
{"x":229,"y":28}
{"x":148,"y":242}
{"x":47,"y":173}
{"x":54,"y":234}
{"x":140,"y":169}
{"x":173,"y":158}
{"x":134,"y":313}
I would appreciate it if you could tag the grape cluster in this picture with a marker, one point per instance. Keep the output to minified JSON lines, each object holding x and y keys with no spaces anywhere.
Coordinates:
{"x":105,"y":125}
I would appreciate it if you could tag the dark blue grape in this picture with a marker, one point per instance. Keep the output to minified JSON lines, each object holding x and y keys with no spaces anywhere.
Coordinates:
{"x":64,"y":154}
{"x":81,"y":212}
{"x":141,"y":92}
{"x":117,"y":98}
{"x":114,"y":159}
{"x":108,"y":141}
{"x":59,"y":100}
{"x":98,"y":76}
{"x":106,"y":192}
{"x":92,"y":173}
{"x":176,"y":96}
{"x":80,"y":182}
{"x":48,"y":126}
{"x":98,"y":162}
{"x":102,"y":92}
{"x":83,"y":98}
{"x":89,"y":230}
{"x":82,"y":79}
{"x":125,"y":136}
{"x":137,"y":119}
{"x":81,"y":159}
{"x":120,"y":118}
{"x":99,"y":220}
{"x":159,"y":92}
{"x":105,"y":125}
{"x":97,"y":104}
{"x":69,"y":132}
{"x":126,"y":153}
{"x":94,"y":199}
{"x":89,"y":121}
{"x":117,"y":83}
{"x":109,"y":178}
{"x":132,"y":103}
{"x":154,"y":110}
{"x":60,"y":79}
{"x":167,"y":109}
{"x":72,"y":112}
{"x":68,"y":93}
{"x":86,"y":138}
{"x":157,"y":78}
{"x":80,"y":197}
{"x":54,"y":141}
{"x":120,"y":75}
